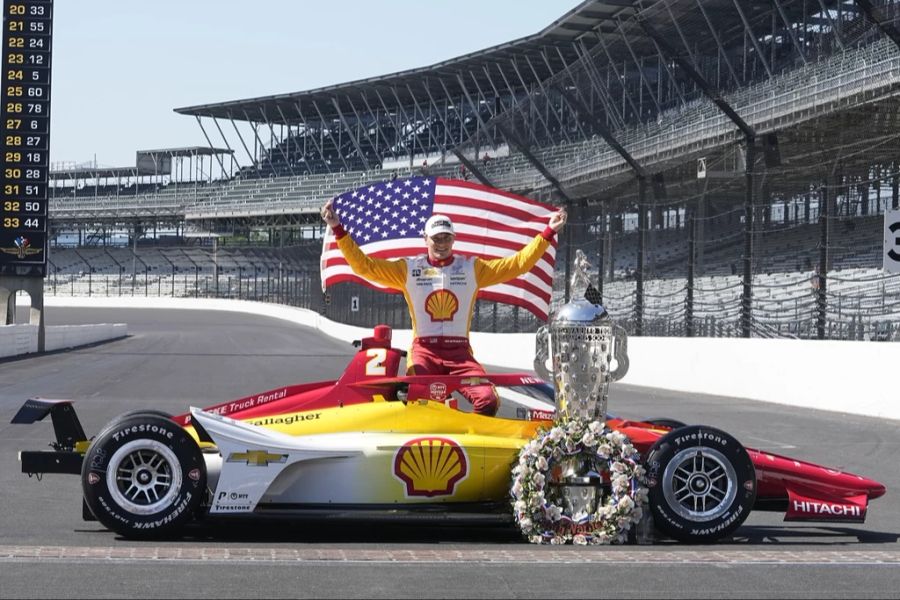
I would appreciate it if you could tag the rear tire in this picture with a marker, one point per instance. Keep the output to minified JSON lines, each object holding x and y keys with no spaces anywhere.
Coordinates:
{"x":144,"y":477}
{"x":702,"y":484}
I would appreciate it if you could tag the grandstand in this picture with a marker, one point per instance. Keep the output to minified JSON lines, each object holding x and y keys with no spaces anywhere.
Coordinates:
{"x":727,"y":164}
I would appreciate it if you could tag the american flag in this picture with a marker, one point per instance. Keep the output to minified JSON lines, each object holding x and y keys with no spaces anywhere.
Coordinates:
{"x":387,"y":220}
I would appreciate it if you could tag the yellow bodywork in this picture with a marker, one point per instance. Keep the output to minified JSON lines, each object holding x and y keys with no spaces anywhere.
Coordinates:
{"x":420,"y":451}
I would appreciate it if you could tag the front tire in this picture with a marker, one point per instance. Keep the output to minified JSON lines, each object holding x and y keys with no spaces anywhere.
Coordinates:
{"x":144,"y":477}
{"x":702,"y":484}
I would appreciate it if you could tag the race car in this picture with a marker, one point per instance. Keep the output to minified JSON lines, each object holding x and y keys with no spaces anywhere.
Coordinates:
{"x":373,"y":443}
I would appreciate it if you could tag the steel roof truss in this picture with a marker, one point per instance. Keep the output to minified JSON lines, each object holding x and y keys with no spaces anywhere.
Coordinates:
{"x":208,"y":141}
{"x":327,"y":127}
{"x":399,"y":143}
{"x":365,"y":129}
{"x":224,"y":139}
{"x":287,"y":161}
{"x":308,"y":134}
{"x":384,"y":136}
{"x":834,"y":28}
{"x":280,"y":112}
{"x":548,"y":99}
{"x":594,"y":76}
{"x":723,"y":55}
{"x":626,"y":96}
{"x":640,"y":68}
{"x":530,"y":102}
{"x":487,"y":102}
{"x":749,"y":31}
{"x":477,"y":112}
{"x":684,"y":42}
{"x":442,"y":115}
{"x":886,"y":28}
{"x":565,"y":70}
{"x":353,"y":136}
{"x":244,"y":144}
{"x":585,"y":108}
{"x":410,"y":135}
{"x":426,"y":122}
{"x":711,"y":93}
{"x":790,"y":30}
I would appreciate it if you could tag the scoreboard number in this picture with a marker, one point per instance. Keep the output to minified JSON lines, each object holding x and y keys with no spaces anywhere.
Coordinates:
{"x":25,"y":135}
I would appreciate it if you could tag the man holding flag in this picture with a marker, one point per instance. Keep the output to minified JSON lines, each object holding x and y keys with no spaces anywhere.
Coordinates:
{"x":440,"y":287}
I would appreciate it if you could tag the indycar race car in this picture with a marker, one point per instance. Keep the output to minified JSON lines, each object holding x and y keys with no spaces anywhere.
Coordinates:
{"x":374,"y":443}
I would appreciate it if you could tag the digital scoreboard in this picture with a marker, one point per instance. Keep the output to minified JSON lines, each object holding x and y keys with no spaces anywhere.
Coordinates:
{"x":25,"y":136}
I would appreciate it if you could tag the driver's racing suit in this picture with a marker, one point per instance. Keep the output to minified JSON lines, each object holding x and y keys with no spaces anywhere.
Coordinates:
{"x":441,"y":298}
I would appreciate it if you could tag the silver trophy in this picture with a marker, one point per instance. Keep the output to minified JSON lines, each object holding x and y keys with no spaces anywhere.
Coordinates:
{"x":584,"y":345}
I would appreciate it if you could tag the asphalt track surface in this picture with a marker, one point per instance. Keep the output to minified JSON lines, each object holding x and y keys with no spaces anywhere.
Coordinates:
{"x":174,"y":359}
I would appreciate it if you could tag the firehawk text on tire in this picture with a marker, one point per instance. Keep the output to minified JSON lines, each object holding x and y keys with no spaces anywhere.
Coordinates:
{"x":702,"y":483}
{"x":144,"y":477}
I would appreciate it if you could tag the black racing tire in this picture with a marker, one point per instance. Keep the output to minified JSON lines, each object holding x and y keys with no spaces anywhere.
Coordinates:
{"x":702,"y":484}
{"x":665,"y":422}
{"x":144,"y":477}
{"x":144,"y":412}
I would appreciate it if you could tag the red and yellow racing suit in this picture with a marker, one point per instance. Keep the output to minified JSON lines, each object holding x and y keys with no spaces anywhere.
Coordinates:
{"x":441,"y":299}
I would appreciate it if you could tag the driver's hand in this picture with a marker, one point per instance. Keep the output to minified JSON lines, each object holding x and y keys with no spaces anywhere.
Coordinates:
{"x":558,"y":220}
{"x":329,"y":216}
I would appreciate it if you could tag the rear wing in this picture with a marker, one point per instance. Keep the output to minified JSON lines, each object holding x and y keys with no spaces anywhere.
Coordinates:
{"x":71,"y":442}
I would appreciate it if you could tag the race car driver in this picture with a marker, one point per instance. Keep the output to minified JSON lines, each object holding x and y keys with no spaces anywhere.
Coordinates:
{"x":440,"y":289}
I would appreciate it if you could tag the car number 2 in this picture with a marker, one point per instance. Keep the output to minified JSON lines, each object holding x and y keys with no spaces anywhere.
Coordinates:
{"x":375,"y":364}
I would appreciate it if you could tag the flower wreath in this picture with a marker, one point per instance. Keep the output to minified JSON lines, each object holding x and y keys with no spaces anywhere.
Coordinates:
{"x":542,"y":521}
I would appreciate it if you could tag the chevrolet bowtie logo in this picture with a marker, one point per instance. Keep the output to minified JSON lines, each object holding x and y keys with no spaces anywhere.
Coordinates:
{"x":257,"y":458}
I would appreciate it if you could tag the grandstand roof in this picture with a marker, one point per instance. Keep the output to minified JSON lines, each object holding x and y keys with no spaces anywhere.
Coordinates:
{"x":548,"y":51}
{"x":186,"y":151}
{"x":523,"y":63}
{"x":92,"y":173}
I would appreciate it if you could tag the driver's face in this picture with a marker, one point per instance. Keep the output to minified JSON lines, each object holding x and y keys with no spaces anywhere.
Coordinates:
{"x":440,"y":246}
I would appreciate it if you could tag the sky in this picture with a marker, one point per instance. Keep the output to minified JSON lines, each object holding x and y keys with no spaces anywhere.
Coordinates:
{"x":120,"y":67}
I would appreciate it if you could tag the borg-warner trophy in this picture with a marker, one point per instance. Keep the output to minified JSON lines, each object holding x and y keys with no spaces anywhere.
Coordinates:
{"x":583,"y":342}
{"x":588,"y":352}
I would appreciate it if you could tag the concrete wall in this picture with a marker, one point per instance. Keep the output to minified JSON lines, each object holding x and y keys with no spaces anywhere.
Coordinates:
{"x":852,"y":377}
{"x":23,"y":339}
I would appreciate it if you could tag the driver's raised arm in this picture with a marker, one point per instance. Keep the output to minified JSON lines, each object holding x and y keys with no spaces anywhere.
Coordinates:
{"x":391,"y":273}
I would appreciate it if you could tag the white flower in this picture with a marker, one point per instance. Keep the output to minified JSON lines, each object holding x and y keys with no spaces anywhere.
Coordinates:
{"x":517,"y":489}
{"x":579,"y":540}
{"x":519,"y":506}
{"x":525,"y":524}
{"x":625,"y":503}
{"x":555,"y":540}
{"x":541,"y":464}
{"x":595,"y":427}
{"x":589,"y":439}
{"x":601,"y":537}
{"x":604,"y":450}
{"x":538,"y":480}
{"x":554,"y":512}
{"x":556,"y":434}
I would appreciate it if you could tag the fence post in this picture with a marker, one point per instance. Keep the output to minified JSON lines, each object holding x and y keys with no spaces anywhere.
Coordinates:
{"x":822,"y":282}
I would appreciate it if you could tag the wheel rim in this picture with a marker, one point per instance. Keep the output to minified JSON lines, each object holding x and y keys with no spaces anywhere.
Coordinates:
{"x":699,"y":483}
{"x":144,"y":476}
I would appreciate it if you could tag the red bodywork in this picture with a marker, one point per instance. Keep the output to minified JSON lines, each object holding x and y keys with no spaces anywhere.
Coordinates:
{"x":805,"y":491}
